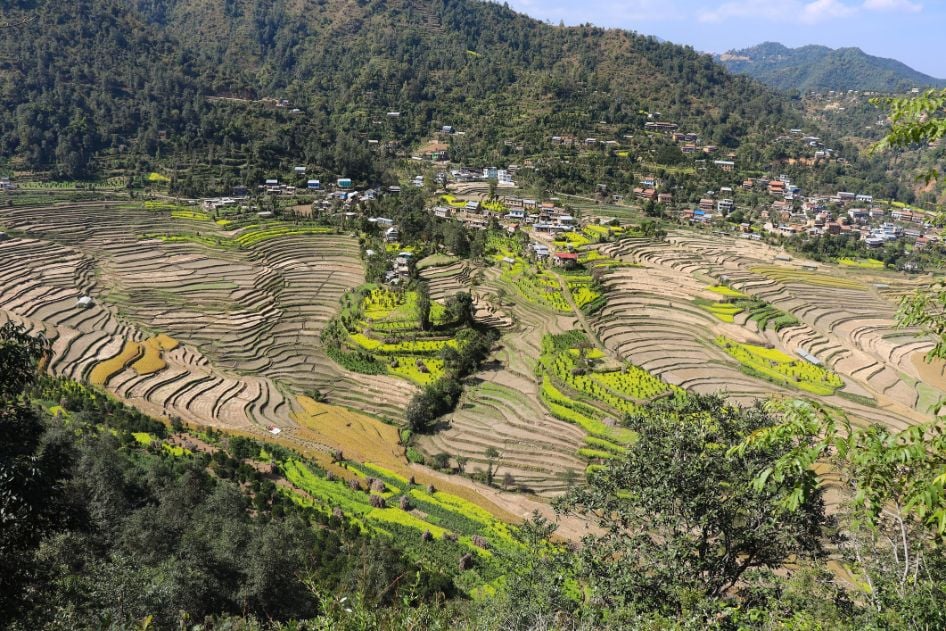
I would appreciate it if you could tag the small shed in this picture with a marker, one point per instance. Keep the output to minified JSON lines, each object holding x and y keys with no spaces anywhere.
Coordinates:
{"x":84,"y":302}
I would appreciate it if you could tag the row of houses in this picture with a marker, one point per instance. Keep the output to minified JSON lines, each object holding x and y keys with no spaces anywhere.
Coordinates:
{"x":660,"y":126}
{"x":216,"y":203}
{"x":273,"y":186}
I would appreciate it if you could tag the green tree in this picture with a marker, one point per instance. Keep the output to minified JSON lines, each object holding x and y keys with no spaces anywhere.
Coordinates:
{"x":536,"y":594}
{"x":33,"y":469}
{"x":893,"y":513}
{"x":492,"y":455}
{"x":914,"y":120}
{"x":681,"y":512}
{"x":460,"y":308}
{"x":423,"y":306}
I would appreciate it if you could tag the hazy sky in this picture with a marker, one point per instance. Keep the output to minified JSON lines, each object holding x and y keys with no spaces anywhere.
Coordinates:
{"x":912,"y":31}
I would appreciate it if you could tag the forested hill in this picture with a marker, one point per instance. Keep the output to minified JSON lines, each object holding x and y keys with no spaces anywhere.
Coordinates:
{"x":81,"y":77}
{"x":97,"y":75}
{"x":823,"y":68}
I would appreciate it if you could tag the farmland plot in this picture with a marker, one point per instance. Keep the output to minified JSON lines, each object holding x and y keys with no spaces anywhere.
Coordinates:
{"x":247,"y":318}
{"x":667,"y":315}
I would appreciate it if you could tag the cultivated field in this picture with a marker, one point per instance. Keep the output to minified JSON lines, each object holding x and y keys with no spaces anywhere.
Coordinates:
{"x":220,"y":324}
{"x":245,"y":317}
{"x":219,"y":327}
{"x":671,"y":317}
{"x":502,"y":407}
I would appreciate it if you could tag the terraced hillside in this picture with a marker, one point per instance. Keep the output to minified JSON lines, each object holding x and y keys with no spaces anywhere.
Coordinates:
{"x":220,"y":324}
{"x":503,"y":406}
{"x":657,"y":317}
{"x":246,"y":306}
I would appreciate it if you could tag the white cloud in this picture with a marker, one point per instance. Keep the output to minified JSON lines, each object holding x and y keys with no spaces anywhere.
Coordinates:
{"x":743,"y":9}
{"x":893,"y":5}
{"x":805,"y":11}
{"x":821,"y":10}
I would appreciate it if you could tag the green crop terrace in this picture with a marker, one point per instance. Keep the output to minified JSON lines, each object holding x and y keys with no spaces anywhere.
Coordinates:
{"x":580,"y":386}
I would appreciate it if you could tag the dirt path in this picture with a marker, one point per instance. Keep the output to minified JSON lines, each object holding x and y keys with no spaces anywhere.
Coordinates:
{"x":589,"y":331}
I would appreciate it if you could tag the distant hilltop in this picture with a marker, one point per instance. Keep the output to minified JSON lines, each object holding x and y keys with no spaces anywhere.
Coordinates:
{"x":823,"y":68}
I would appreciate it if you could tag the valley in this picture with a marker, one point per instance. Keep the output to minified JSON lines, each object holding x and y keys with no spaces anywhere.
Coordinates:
{"x":429,"y":314}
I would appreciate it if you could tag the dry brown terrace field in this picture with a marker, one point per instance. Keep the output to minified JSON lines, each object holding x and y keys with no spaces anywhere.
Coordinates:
{"x":501,"y":408}
{"x":248,"y":319}
{"x":846,"y":320}
{"x":246,"y":322}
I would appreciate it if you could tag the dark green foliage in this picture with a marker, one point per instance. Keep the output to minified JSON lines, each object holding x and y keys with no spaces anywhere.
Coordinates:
{"x":537,"y":593}
{"x":243,"y":448}
{"x":821,"y":68}
{"x":435,"y":400}
{"x":145,"y":534}
{"x":88,"y":76}
{"x":19,"y":354}
{"x":103,"y":78}
{"x":683,"y":514}
{"x":460,"y":308}
{"x":358,"y":361}
{"x":33,"y":472}
{"x":596,"y":305}
{"x":442,"y":396}
{"x":423,"y":306}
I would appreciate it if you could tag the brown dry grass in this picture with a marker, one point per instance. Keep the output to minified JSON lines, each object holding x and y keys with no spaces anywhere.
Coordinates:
{"x":364,"y":439}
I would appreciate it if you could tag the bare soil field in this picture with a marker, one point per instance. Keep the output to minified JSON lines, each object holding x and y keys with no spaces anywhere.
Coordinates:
{"x":845,"y":319}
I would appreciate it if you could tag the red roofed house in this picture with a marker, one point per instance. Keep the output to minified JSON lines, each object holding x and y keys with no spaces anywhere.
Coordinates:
{"x":568,"y":260}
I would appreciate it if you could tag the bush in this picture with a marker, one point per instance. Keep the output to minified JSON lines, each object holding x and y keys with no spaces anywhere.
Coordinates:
{"x":415,"y":456}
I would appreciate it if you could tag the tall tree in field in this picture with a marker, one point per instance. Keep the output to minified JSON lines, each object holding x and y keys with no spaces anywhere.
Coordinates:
{"x":423,"y":306}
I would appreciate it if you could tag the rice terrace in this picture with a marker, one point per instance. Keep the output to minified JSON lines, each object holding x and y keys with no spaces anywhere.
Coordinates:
{"x":438,"y":314}
{"x":227,"y":325}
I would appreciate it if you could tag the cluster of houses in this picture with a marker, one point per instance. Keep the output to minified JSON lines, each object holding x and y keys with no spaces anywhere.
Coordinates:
{"x":400,"y":271}
{"x":547,"y":217}
{"x":6,"y":184}
{"x":503,"y":177}
{"x":540,"y":252}
{"x":875,"y":225}
{"x":648,"y":190}
{"x":690,"y":144}
{"x":342,"y":189}
{"x":212,"y":204}
{"x":793,"y":213}
{"x":572,"y":141}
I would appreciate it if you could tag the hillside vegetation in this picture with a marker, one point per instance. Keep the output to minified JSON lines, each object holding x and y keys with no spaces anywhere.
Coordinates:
{"x":131,"y":81}
{"x":822,"y":68}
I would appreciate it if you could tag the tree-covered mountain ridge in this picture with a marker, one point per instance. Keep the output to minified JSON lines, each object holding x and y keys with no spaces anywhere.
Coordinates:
{"x":822,"y":68}
{"x":101,"y":77}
